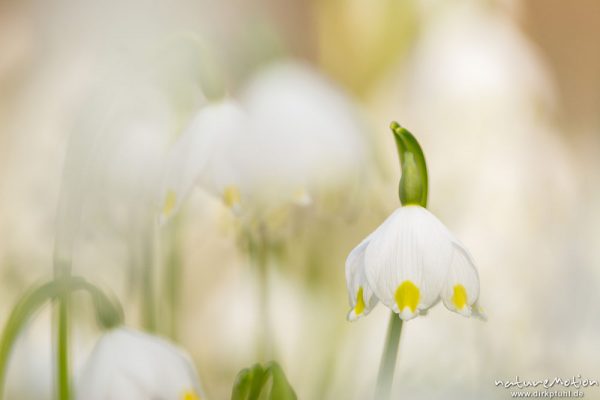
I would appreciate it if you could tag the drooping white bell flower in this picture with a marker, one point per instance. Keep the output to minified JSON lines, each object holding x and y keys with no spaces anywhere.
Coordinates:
{"x":205,"y":154}
{"x":411,"y":260}
{"x":409,"y":263}
{"x":128,"y":364}
{"x":276,"y":143}
{"x":308,"y":133}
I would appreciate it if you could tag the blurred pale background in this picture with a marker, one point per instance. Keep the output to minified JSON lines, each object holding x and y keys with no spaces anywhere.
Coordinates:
{"x":505,"y":99}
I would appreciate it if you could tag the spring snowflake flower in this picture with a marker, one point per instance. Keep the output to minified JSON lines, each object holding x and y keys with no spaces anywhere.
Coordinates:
{"x":411,"y":260}
{"x":276,"y":143}
{"x":409,"y":263}
{"x":127,"y":364}
{"x":205,"y":155}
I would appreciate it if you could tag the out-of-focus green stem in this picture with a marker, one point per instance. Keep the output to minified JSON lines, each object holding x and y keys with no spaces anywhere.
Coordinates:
{"x":259,"y":255}
{"x":64,"y":387}
{"x":62,"y":277}
{"x":19,"y":316}
{"x":109,"y":314}
{"x":148,"y":291}
{"x":388,"y":358}
{"x":173,"y":275}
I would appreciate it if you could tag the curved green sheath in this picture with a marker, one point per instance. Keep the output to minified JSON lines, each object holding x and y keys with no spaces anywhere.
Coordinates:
{"x":414,"y":181}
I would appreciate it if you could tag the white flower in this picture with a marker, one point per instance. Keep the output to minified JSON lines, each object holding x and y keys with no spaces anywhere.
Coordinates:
{"x":132,"y":365}
{"x":205,"y":154}
{"x":308,"y":132}
{"x":408,"y":263}
{"x":288,"y":134}
{"x":360,"y":295}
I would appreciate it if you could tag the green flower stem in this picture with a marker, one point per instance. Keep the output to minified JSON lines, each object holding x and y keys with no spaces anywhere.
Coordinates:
{"x":64,"y":387}
{"x":109,"y":314}
{"x":62,"y":278}
{"x":259,"y":257}
{"x":173,"y":276}
{"x":21,"y":313}
{"x":148,"y":314}
{"x":388,"y":358}
{"x":148,"y":269}
{"x":263,"y":287}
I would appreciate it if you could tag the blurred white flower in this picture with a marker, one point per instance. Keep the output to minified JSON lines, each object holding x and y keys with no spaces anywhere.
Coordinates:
{"x":290,"y":134}
{"x":308,"y":133}
{"x":409,"y":262}
{"x":127,"y":364}
{"x":204,"y":155}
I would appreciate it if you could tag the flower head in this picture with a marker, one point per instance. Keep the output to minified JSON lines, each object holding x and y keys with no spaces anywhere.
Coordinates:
{"x":205,"y":154}
{"x":276,"y":144}
{"x":127,"y":364}
{"x":411,"y":260}
{"x":409,"y":263}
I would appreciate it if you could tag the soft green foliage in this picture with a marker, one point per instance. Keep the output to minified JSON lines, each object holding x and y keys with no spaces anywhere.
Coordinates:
{"x":21,"y":313}
{"x":262,"y":383}
{"x":413,"y":184}
{"x":108,"y":312}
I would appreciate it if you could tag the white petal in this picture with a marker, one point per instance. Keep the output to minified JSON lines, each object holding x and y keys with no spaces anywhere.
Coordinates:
{"x":204,"y":153}
{"x":412,"y":249}
{"x":127,"y":364}
{"x":461,"y":289}
{"x":356,"y":281}
{"x":301,"y":118}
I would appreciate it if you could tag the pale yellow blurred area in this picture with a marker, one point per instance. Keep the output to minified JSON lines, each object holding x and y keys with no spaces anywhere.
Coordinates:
{"x":504,"y":97}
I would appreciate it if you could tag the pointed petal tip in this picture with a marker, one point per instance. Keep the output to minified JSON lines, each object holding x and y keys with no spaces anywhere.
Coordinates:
{"x":479,"y":313}
{"x":352,"y":316}
{"x":407,"y":314}
{"x":465,"y":311}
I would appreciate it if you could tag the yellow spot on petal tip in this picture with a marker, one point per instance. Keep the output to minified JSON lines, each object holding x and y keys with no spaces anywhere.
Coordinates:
{"x":190,"y":395}
{"x":459,"y":297}
{"x":170,"y":203}
{"x":407,"y":296}
{"x":231,"y":196}
{"x":359,"y":308}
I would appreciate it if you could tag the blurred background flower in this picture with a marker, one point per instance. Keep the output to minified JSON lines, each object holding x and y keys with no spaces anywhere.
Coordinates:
{"x":502,"y":94}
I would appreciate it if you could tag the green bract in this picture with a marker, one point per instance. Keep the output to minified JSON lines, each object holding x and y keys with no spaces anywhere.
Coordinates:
{"x":413,"y":184}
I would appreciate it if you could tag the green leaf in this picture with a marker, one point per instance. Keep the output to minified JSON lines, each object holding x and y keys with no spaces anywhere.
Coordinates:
{"x":108,"y":312}
{"x":262,"y":383}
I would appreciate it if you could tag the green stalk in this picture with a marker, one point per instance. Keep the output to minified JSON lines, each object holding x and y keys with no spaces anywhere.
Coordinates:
{"x":20,"y":315}
{"x":108,"y":312}
{"x":148,"y":268}
{"x":64,"y":388}
{"x":173,"y":276}
{"x":388,"y":358}
{"x":259,"y":258}
{"x":149,"y":319}
{"x":62,"y":277}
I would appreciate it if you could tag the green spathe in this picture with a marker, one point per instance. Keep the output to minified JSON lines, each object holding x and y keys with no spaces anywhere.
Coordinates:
{"x":413,"y":184}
